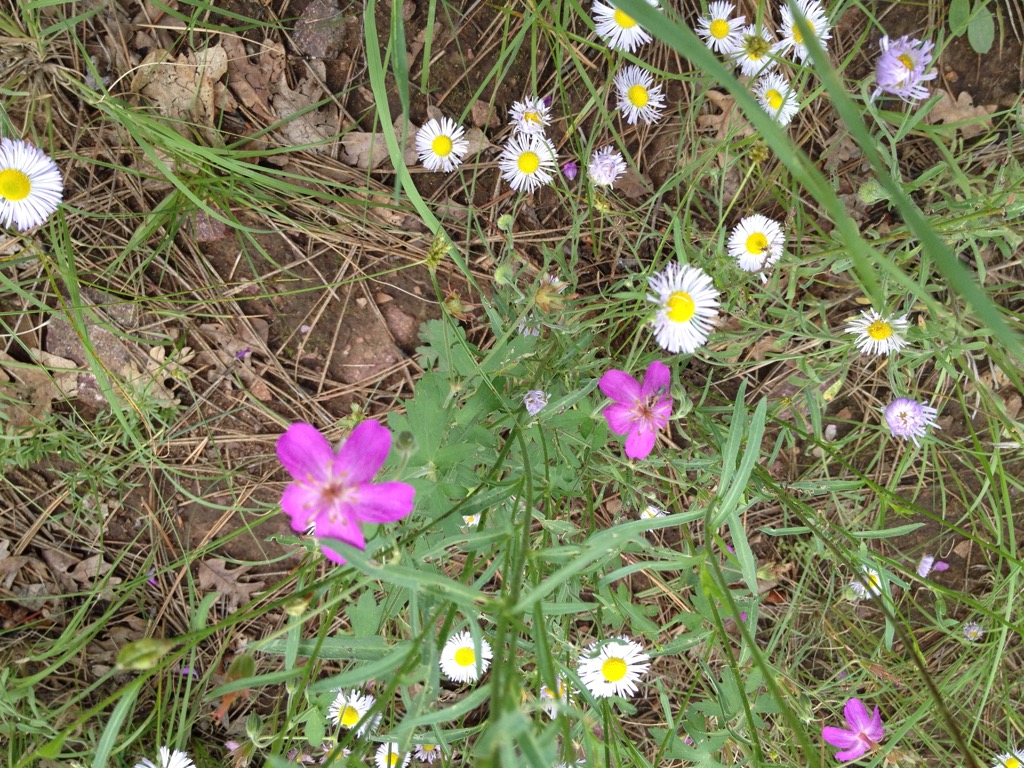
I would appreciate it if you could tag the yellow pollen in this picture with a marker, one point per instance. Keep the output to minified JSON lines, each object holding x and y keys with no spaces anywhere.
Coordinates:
{"x":441,"y":145}
{"x":879,"y":330}
{"x":757,"y":243}
{"x":623,"y":20}
{"x":637,"y":96}
{"x":528,"y":162}
{"x":906,"y":61}
{"x":680,"y":307}
{"x":14,"y":185}
{"x":349,"y":716}
{"x":719,"y":29}
{"x":1012,"y":762}
{"x":531,"y":117}
{"x":392,"y":758}
{"x":465,"y":657}
{"x":797,"y":37}
{"x":613,"y":670}
{"x":774,"y":99}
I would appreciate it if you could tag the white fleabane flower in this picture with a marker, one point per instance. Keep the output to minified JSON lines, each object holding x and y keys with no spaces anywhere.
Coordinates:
{"x":613,"y":668}
{"x":390,"y":756}
{"x":868,"y":583}
{"x":777,"y":97}
{"x":639,"y":98}
{"x":687,"y":307}
{"x":427,"y":753}
{"x":31,"y":186}
{"x":756,"y":243}
{"x":167,"y":758}
{"x":530,"y":116}
{"x":878,"y":334}
{"x":606,"y":165}
{"x":459,"y":659}
{"x":925,"y":566}
{"x":554,"y":698}
{"x":440,"y":144}
{"x":902,"y":68}
{"x":527,"y":162}
{"x":720,"y":29}
{"x":1010,"y":760}
{"x":909,"y":419}
{"x":792,"y":40}
{"x":650,"y":512}
{"x":753,"y":50}
{"x":351,"y":710}
{"x":973,"y":631}
{"x":618,"y":29}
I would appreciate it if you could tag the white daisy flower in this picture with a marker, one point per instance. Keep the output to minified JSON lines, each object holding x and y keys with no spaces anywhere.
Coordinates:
{"x":530,"y":115}
{"x":350,"y":710}
{"x":31,"y":186}
{"x":167,"y":758}
{"x":973,"y":631}
{"x":528,"y":161}
{"x":606,"y":165}
{"x":814,"y":14}
{"x":459,"y":659}
{"x":389,"y":756}
{"x":868,"y":583}
{"x":752,"y":53}
{"x":639,"y":98}
{"x":650,"y":512}
{"x":687,"y":307}
{"x":618,"y":29}
{"x":471,"y":521}
{"x":427,"y":753}
{"x":720,"y":32}
{"x":552,"y":699}
{"x":1010,"y":760}
{"x":440,"y":145}
{"x":878,"y":334}
{"x":777,"y":97}
{"x":612,"y":668}
{"x":756,"y":243}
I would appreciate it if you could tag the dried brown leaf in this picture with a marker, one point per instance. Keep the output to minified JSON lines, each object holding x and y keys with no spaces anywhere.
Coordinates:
{"x":312,"y":126}
{"x":215,"y":576}
{"x":975,"y":120}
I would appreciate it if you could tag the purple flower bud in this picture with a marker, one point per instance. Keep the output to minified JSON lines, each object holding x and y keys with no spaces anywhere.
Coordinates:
{"x":569,"y":169}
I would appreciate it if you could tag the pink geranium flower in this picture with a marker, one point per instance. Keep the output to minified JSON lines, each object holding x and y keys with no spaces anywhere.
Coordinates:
{"x":639,"y":411}
{"x":333,"y":491}
{"x":862,"y":736}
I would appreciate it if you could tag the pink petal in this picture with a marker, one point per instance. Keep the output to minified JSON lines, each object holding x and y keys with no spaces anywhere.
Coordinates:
{"x":341,"y":531}
{"x":661,"y":412}
{"x":620,"y":387}
{"x":364,"y":453}
{"x":640,"y":443}
{"x":333,"y":556}
{"x":658,"y":377}
{"x":621,"y":418}
{"x":383,"y":502}
{"x":305,"y":453}
{"x":300,"y":503}
{"x":857,"y":750}
{"x":839,"y":737}
{"x":857,"y":716}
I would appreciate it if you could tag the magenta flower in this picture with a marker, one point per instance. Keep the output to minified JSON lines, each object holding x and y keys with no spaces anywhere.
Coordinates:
{"x":333,"y":491}
{"x":639,"y":411}
{"x":862,"y":736}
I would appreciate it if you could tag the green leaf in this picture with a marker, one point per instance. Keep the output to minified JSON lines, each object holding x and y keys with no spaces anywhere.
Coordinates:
{"x":364,"y":614}
{"x":959,"y":13}
{"x":981,"y":31}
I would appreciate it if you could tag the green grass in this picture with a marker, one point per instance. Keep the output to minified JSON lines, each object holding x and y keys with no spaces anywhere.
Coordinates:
{"x":779,"y":476}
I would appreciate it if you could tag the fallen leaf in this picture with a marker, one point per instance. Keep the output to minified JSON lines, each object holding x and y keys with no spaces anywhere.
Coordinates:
{"x":971,"y":120}
{"x":183,"y":88}
{"x":214,"y":575}
{"x":250,"y":81}
{"x":306,"y":124}
{"x":33,"y":388}
{"x":729,"y":122}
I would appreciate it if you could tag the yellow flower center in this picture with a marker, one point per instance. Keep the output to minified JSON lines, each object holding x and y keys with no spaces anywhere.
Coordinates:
{"x":624,"y":20}
{"x":531,"y":117}
{"x":906,"y":61}
{"x":1012,"y":762}
{"x":349,"y":716}
{"x":428,"y":747}
{"x":441,"y":145}
{"x":392,"y":758}
{"x":719,"y":29}
{"x":613,"y":670}
{"x":465,"y":657}
{"x":757,"y":243}
{"x":529,"y":162}
{"x":680,"y":307}
{"x":14,"y":185}
{"x":879,"y":330}
{"x":797,"y":37}
{"x":774,"y":99}
{"x":638,"y":96}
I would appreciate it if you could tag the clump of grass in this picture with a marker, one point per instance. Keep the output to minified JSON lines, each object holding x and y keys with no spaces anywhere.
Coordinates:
{"x":749,"y":576}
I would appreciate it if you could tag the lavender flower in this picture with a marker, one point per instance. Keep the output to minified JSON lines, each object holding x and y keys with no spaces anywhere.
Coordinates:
{"x":909,"y":419}
{"x":901,"y":69}
{"x":535,"y":400}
